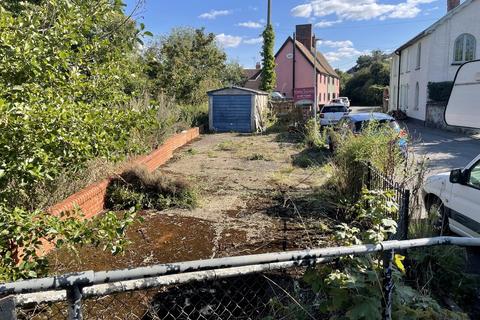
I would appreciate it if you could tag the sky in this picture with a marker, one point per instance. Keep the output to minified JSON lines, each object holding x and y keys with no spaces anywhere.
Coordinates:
{"x":348,"y":28}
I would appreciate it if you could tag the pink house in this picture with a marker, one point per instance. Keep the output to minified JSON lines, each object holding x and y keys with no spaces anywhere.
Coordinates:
{"x":295,"y":61}
{"x":294,"y":67}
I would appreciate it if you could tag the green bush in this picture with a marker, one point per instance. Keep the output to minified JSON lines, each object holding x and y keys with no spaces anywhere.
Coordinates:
{"x":376,"y":144}
{"x":351,"y":287}
{"x":139,"y":188}
{"x":29,"y":230}
{"x":440,"y":91}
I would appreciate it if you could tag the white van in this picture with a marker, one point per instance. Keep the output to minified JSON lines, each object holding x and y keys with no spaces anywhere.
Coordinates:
{"x":454,"y":199}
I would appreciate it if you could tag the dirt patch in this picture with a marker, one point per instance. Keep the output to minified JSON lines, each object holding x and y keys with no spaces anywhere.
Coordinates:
{"x":244,"y":184}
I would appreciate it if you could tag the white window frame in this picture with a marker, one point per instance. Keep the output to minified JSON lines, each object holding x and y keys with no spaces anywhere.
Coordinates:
{"x":463,"y":38}
{"x":419,"y":56}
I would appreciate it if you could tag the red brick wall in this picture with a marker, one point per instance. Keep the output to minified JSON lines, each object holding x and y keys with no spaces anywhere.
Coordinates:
{"x":91,"y":199}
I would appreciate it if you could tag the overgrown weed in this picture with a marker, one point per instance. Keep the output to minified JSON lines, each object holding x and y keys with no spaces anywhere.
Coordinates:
{"x":138,"y":187}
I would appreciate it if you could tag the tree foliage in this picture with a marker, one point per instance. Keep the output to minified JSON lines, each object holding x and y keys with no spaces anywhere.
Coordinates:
{"x":269,"y":76}
{"x":440,"y":91}
{"x":367,"y":79}
{"x":75,"y":86}
{"x":187,"y":63}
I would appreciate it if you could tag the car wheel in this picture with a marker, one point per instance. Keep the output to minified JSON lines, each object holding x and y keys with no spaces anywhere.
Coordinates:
{"x":438,"y":217}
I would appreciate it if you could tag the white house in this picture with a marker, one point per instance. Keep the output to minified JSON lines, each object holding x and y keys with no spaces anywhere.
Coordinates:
{"x":434,"y":55}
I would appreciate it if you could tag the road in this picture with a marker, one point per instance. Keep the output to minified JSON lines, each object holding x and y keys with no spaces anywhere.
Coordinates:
{"x":445,"y":150}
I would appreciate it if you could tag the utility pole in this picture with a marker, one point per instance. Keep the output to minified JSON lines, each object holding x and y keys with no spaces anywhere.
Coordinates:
{"x":269,"y":15}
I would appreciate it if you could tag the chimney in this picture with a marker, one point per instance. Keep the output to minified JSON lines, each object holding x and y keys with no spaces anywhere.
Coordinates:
{"x":304,"y":34}
{"x":258,"y":66}
{"x":452,"y":4}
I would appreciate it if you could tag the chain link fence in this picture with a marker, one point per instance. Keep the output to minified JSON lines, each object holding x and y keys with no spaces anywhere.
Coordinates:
{"x":264,"y":286}
{"x":272,"y":295}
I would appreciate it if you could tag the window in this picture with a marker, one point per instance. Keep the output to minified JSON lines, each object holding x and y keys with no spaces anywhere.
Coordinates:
{"x":417,"y":96}
{"x":419,"y":55}
{"x":474,"y":179}
{"x":393,"y":98}
{"x":407,"y":60}
{"x":465,"y":48}
{"x":395,"y":66}
{"x":324,"y":96}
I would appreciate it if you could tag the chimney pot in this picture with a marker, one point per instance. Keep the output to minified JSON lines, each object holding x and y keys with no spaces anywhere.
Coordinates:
{"x":258,"y":66}
{"x":452,"y":4}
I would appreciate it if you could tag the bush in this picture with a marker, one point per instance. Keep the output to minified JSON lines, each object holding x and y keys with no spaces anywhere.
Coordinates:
{"x":23,"y":234}
{"x":439,"y":91}
{"x":377,"y":144}
{"x":139,"y":188}
{"x":351,"y":286}
{"x":313,"y":137}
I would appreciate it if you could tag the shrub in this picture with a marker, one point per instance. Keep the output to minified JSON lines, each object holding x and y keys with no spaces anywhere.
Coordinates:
{"x":440,"y":91}
{"x":138,"y":187}
{"x":23,"y":234}
{"x":351,"y":287}
{"x":313,"y":136}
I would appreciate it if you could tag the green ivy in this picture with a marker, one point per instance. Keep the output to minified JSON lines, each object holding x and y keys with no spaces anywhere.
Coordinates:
{"x":269,"y":77}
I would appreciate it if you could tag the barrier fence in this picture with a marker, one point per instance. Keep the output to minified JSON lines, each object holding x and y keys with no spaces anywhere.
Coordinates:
{"x":263,"y":286}
{"x":369,"y":177}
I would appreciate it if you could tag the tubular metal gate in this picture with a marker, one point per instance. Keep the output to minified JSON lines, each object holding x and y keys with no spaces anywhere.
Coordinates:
{"x":244,"y":287}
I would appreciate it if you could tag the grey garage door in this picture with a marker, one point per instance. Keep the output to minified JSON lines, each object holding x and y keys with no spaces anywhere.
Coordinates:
{"x":232,"y":113}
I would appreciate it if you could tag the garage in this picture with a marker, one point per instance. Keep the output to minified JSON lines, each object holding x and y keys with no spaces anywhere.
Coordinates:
{"x":236,"y":109}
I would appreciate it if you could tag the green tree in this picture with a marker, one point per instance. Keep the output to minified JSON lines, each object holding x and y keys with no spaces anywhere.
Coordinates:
{"x":344,"y":79}
{"x":186,"y":64}
{"x":269,"y":77}
{"x":234,"y":75}
{"x":367,"y":80}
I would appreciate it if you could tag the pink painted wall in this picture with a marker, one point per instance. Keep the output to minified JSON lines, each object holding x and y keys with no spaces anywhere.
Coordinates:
{"x":303,"y":76}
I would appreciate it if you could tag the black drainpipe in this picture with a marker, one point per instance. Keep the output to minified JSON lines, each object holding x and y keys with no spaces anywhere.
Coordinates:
{"x":399,"y":54}
{"x":294,"y":61}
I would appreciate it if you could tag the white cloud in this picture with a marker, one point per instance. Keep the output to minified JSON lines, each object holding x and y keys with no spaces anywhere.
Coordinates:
{"x":215,"y":13}
{"x":343,"y":50}
{"x":253,"y":40}
{"x":359,"y":9}
{"x":336,"y":44}
{"x":250,"y":24}
{"x":228,"y":41}
{"x":327,"y":23}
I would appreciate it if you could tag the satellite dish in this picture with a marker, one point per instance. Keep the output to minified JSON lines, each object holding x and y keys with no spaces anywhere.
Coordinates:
{"x":463,"y":108}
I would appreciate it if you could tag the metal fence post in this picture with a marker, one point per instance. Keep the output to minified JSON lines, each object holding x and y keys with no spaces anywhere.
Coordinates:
{"x":74,"y":299}
{"x":369,"y":177}
{"x":404,"y":215}
{"x":8,"y":308}
{"x":388,"y":285}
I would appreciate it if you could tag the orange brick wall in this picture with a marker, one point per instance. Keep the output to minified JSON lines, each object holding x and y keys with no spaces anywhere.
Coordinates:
{"x":91,"y":199}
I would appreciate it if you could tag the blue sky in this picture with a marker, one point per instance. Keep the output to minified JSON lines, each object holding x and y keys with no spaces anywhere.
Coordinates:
{"x":348,"y":27}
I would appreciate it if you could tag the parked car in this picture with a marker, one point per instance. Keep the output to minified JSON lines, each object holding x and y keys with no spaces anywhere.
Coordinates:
{"x":453,"y":200}
{"x":275,"y":95}
{"x":355,"y":123}
{"x":331,"y":113}
{"x":346,"y":101}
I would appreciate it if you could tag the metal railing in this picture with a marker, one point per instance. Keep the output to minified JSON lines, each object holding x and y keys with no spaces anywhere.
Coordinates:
{"x":367,"y":176}
{"x":239,"y":287}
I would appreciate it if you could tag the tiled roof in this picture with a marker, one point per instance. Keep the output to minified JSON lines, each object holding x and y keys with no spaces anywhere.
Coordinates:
{"x":322,"y":64}
{"x":252,"y":74}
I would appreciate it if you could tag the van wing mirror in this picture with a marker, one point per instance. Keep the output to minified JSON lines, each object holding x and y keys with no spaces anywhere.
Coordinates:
{"x":462,"y":108}
{"x":457,"y":176}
